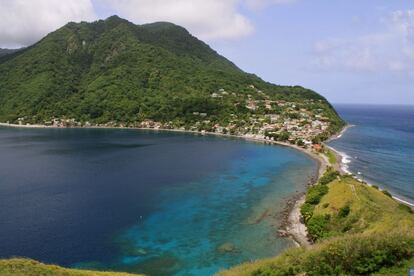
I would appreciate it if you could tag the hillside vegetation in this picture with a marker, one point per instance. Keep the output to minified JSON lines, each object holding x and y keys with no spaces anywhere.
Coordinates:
{"x":358,"y":230}
{"x":4,"y":52}
{"x":26,"y":267}
{"x":116,"y":73}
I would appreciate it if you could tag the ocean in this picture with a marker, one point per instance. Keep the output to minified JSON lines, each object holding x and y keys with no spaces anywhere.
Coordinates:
{"x":379,"y":147}
{"x":146,"y":202}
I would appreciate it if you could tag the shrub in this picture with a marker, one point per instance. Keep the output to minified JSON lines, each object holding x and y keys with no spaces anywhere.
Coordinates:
{"x":307,"y":211}
{"x":347,"y":227}
{"x":317,"y":226}
{"x":315,"y":194}
{"x":344,"y":211}
{"x":385,"y":192}
{"x":325,"y":205}
{"x":360,"y":254}
{"x":351,"y":255}
{"x":405,"y":208}
{"x":329,"y":176}
{"x":300,"y":143}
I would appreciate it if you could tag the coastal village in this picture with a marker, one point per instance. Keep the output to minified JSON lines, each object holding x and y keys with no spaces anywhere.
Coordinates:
{"x":301,"y":123}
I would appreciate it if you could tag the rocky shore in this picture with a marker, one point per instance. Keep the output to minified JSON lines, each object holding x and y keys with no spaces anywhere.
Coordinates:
{"x":292,"y":224}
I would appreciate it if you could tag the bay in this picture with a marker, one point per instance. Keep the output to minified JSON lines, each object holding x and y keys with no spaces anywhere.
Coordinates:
{"x":150,"y":202}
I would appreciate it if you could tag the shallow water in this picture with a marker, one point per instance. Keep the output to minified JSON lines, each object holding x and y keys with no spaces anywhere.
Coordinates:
{"x":380,"y":146}
{"x":155,"y":203}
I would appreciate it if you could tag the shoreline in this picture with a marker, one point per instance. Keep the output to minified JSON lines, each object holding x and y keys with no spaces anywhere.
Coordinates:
{"x":345,"y":168}
{"x":292,"y":225}
{"x":344,"y":160}
{"x":254,"y":138}
{"x":323,"y":164}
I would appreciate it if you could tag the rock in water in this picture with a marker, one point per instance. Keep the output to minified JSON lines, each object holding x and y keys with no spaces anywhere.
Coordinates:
{"x":227,"y":248}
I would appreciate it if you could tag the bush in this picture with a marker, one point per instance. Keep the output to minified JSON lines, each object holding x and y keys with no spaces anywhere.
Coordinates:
{"x":351,"y":255}
{"x":307,"y":211}
{"x":344,"y":211}
{"x":300,"y":143}
{"x":385,"y":192}
{"x":328,"y":177}
{"x":347,"y":227}
{"x":325,"y":205}
{"x":315,"y":194}
{"x":405,"y":208}
{"x":360,"y":255}
{"x":317,"y":226}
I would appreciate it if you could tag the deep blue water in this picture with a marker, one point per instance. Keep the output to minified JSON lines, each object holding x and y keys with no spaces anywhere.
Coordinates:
{"x":156,"y":203}
{"x":380,"y":146}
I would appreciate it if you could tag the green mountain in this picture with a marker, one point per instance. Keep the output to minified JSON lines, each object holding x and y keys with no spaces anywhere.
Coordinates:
{"x":113,"y":71}
{"x":4,"y":52}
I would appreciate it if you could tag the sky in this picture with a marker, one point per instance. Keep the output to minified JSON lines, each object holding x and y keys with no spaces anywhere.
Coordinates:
{"x":348,"y":51}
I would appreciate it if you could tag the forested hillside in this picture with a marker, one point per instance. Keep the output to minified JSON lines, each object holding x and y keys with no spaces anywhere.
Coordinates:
{"x":114,"y":72}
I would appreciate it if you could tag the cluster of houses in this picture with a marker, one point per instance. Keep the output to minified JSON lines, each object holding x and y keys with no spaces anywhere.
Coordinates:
{"x":303,"y":125}
{"x":268,"y":119}
{"x":65,"y":123}
{"x":295,"y":120}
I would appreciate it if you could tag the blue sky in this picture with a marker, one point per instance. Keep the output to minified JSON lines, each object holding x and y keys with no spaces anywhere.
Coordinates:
{"x":282,"y":49}
{"x":349,"y":51}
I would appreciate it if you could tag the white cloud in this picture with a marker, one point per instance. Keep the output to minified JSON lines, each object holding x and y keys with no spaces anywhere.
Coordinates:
{"x":388,"y":50}
{"x":209,"y":20}
{"x":260,"y":4}
{"x":23,"y":22}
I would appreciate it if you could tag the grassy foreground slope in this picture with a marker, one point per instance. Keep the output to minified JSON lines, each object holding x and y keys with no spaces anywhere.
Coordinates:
{"x":357,"y":229}
{"x":28,"y":267}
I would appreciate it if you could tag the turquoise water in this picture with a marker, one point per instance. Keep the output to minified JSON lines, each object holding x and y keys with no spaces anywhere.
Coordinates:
{"x":154,"y":203}
{"x":380,"y":146}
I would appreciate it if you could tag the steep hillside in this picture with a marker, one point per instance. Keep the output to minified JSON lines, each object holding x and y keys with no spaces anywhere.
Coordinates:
{"x":4,"y":52}
{"x":114,"y":72}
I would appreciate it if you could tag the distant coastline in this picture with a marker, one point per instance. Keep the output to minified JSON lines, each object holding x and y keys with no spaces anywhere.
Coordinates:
{"x":344,"y":160}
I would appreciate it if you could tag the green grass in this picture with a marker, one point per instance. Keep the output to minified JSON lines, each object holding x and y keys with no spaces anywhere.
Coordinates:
{"x":370,"y":210}
{"x":361,"y":231}
{"x":26,"y":267}
{"x":358,"y":254}
{"x":331,"y":156}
